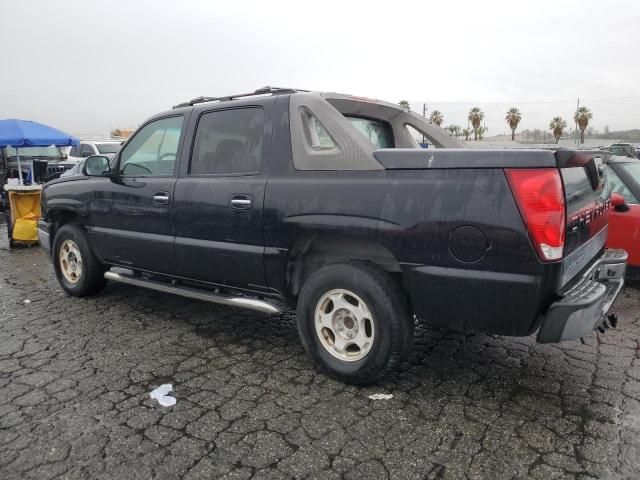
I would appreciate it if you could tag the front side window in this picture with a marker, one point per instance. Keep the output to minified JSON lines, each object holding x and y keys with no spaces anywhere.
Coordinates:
{"x":153,"y":150}
{"x":616,"y":185}
{"x":228,"y":142}
{"x":378,"y":133}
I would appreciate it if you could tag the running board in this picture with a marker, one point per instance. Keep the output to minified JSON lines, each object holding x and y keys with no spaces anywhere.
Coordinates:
{"x":197,"y":294}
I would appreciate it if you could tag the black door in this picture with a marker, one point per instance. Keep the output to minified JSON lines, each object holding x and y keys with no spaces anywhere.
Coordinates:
{"x":218,"y":201}
{"x":130,"y":220}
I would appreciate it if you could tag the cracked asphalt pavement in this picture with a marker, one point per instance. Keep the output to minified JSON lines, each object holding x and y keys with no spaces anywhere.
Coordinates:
{"x":75,"y":378}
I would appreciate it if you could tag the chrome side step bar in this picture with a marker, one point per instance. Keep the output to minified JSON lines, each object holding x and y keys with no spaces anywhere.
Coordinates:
{"x":242,"y":302}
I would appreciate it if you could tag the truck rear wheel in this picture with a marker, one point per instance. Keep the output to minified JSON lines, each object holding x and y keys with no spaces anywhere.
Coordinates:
{"x":354,"y":322}
{"x":78,"y":270}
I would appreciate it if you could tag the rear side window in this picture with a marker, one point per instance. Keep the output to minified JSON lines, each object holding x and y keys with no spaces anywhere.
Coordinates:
{"x":228,"y":142}
{"x":87,"y":150}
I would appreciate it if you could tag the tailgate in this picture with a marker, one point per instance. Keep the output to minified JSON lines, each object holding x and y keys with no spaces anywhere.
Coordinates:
{"x":587,"y":208}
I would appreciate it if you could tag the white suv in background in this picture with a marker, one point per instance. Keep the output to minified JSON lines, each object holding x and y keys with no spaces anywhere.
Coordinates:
{"x":88,"y":148}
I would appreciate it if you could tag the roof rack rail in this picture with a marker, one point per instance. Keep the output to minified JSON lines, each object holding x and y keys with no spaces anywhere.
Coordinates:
{"x":260,"y":91}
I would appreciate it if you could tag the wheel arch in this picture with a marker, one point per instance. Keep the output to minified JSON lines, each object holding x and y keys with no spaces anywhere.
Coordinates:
{"x":60,"y":217}
{"x":314,"y":251}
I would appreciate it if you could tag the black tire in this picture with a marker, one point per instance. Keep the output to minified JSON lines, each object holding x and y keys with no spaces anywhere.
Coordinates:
{"x":387,"y":305}
{"x":91,"y":280}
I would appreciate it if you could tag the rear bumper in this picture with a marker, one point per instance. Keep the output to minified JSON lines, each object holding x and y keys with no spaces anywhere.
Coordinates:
{"x":584,"y":306}
{"x":44,"y":236}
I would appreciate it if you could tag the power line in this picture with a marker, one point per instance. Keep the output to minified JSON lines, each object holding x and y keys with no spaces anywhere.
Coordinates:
{"x":515,"y":102}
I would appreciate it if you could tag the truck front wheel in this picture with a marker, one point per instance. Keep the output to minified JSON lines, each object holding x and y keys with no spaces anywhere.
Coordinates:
{"x":354,"y":322}
{"x":78,"y":270}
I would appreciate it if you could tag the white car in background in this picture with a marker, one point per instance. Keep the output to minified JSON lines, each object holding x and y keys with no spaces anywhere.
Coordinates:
{"x":87,"y":148}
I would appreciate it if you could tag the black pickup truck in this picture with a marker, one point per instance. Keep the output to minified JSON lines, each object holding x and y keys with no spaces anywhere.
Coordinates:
{"x":283,"y":198}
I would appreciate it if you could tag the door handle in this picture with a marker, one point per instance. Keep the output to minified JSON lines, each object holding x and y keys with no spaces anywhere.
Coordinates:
{"x":161,"y":198}
{"x":241,"y":202}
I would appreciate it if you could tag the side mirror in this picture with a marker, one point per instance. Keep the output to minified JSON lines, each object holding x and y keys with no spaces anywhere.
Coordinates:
{"x":85,"y":155}
{"x":96,"y":166}
{"x":618,"y":203}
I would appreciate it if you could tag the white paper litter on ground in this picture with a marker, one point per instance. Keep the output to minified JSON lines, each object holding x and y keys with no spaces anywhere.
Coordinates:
{"x":162,"y":395}
{"x":381,"y":396}
{"x":26,"y":301}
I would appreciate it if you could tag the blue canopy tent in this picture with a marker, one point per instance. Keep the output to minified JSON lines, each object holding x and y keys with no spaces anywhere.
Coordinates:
{"x":24,"y":133}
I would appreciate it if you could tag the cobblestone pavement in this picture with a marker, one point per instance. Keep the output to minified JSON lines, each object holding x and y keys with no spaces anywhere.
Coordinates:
{"x":75,"y":377}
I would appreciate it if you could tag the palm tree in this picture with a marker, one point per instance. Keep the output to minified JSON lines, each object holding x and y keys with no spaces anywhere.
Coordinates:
{"x":513,"y":119}
{"x":466,"y":133}
{"x":405,"y":105}
{"x":436,"y":117}
{"x":479,"y":132}
{"x":454,"y":130}
{"x":557,"y":125}
{"x":582,"y":117}
{"x":475,"y":117}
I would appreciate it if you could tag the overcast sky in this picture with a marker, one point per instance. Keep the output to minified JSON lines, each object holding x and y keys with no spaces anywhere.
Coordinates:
{"x":88,"y":66}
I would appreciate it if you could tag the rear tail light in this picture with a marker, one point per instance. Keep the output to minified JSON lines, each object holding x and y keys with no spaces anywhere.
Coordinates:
{"x":540,"y":199}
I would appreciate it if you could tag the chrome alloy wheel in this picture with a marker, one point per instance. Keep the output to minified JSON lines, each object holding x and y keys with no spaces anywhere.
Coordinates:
{"x":344,"y":325}
{"x":70,"y":261}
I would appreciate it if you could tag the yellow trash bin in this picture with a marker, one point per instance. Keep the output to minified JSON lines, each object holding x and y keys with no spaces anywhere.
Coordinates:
{"x":24,"y":209}
{"x":25,"y":229}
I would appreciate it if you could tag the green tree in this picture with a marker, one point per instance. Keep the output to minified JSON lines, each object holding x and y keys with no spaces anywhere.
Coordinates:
{"x":436,"y":117}
{"x":466,"y":133}
{"x":538,"y":136}
{"x":454,"y":130}
{"x":405,"y":105}
{"x":513,"y":119}
{"x":476,"y":115}
{"x":582,"y":117}
{"x":479,"y":132}
{"x":557,"y":125}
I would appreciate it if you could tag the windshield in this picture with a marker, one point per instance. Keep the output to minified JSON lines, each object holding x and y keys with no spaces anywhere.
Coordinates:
{"x":108,"y":147}
{"x":35,"y":152}
{"x":624,"y":150}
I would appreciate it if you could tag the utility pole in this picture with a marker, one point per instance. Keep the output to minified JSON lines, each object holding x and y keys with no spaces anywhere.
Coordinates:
{"x":577,"y":110}
{"x":424,"y":114}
